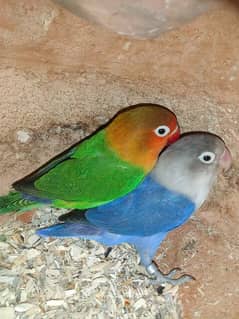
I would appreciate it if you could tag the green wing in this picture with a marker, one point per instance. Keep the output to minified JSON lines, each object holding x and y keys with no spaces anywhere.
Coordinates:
{"x":88,"y":175}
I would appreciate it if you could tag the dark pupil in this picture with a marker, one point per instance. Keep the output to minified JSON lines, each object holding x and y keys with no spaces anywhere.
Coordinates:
{"x":207,"y":158}
{"x":161,"y":131}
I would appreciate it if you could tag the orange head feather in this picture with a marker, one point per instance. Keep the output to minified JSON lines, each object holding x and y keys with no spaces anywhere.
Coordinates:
{"x":139,"y":134}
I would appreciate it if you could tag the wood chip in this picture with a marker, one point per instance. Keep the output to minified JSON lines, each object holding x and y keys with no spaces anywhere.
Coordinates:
{"x":23,"y":307}
{"x":7,"y":313}
{"x":70,"y":278}
{"x":55,"y":303}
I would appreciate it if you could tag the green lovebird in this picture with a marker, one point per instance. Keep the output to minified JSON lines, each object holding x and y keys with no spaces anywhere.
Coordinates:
{"x":103,"y":167}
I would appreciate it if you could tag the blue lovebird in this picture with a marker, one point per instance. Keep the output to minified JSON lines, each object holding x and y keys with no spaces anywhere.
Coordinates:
{"x":176,"y":187}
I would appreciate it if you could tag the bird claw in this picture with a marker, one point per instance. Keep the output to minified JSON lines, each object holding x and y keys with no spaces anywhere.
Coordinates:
{"x":107,"y":251}
{"x":161,"y":278}
{"x":173,"y":272}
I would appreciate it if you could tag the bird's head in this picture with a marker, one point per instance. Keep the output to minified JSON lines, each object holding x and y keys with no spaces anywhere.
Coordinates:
{"x":190,"y":166}
{"x":139,"y":133}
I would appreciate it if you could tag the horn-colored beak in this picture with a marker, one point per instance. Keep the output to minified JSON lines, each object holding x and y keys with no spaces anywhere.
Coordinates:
{"x":226,"y":159}
{"x":174,"y":135}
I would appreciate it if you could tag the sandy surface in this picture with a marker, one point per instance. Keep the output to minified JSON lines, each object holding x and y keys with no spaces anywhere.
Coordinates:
{"x":61,"y":78}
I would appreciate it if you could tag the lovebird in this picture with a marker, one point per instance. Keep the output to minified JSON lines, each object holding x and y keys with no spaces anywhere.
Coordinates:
{"x":176,"y":187}
{"x":102,"y":167}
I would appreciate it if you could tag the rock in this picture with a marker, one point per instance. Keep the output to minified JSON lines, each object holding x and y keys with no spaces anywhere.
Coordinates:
{"x":140,"y":19}
{"x":23,"y":136}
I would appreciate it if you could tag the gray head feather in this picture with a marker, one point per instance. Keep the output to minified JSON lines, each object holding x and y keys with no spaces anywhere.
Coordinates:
{"x":190,"y":166}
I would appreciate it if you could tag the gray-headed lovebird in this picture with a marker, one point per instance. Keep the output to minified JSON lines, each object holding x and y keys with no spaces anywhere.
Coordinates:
{"x":177,"y":186}
{"x":105,"y":166}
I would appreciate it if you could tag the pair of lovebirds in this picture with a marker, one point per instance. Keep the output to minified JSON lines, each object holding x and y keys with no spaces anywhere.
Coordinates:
{"x":121,"y":189}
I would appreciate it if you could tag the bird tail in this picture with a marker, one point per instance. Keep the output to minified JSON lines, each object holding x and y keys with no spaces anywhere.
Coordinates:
{"x":14,"y":202}
{"x":83,"y":230}
{"x":71,"y":230}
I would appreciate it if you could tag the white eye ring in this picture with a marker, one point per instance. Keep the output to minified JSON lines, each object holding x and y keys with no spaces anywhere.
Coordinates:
{"x":207,"y":157}
{"x":162,"y":130}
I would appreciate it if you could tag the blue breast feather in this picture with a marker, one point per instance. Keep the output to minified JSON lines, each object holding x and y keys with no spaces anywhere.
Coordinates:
{"x":149,"y":209}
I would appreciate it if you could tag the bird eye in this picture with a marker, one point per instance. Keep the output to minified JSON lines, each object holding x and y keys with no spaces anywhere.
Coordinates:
{"x":207,"y":157}
{"x":162,"y":130}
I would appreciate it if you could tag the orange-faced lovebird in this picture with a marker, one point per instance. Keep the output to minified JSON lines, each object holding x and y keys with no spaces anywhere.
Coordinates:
{"x":101,"y":168}
{"x":176,"y":187}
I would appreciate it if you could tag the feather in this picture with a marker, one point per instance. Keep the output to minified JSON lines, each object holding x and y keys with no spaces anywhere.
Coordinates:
{"x":149,"y":209}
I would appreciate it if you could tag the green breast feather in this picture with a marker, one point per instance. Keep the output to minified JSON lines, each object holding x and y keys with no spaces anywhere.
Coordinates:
{"x":92,"y":175}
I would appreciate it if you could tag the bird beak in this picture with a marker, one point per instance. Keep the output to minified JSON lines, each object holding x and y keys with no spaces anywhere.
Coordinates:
{"x":174,"y":135}
{"x":226,"y":159}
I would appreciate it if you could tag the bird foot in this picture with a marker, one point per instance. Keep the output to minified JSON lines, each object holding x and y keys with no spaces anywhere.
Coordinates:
{"x":108,"y":251}
{"x":160,"y":278}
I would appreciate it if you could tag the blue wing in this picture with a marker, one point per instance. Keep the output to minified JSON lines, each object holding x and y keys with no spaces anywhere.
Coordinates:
{"x":149,"y":209}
